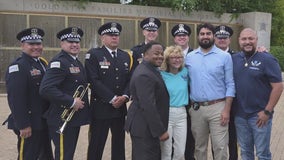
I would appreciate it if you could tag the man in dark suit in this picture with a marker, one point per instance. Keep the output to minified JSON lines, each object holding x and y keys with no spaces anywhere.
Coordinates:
{"x":108,"y":70}
{"x":147,"y":118}
{"x":150,"y":28}
{"x":23,"y":78}
{"x":64,"y":75}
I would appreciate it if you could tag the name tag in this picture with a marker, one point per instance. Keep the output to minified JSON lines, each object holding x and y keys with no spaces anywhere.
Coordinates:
{"x":104,"y":67}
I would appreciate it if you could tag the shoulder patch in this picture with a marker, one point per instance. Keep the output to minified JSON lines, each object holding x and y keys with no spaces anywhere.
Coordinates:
{"x":14,"y":68}
{"x":88,"y":55}
{"x":55,"y":64}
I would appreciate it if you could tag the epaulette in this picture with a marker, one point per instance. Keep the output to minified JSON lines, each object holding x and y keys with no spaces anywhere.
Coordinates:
{"x":18,"y":58}
{"x":95,"y":49}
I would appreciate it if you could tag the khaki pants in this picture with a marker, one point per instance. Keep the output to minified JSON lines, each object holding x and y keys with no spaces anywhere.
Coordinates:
{"x":207,"y":121}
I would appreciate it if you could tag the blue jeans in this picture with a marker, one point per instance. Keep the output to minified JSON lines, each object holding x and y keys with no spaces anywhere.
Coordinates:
{"x":250,"y":136}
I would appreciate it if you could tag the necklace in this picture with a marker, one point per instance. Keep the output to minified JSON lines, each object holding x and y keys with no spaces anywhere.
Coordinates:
{"x":248,"y":59}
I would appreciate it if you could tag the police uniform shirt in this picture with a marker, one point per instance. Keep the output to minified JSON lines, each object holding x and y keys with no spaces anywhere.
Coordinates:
{"x":64,"y":75}
{"x":137,"y":54}
{"x":150,"y":24}
{"x":23,"y":79}
{"x":108,"y":77}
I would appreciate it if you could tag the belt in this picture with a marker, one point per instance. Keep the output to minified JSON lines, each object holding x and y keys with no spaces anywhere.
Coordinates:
{"x":208,"y":103}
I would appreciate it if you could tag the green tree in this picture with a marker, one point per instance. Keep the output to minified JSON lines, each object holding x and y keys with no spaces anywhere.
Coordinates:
{"x":277,"y":34}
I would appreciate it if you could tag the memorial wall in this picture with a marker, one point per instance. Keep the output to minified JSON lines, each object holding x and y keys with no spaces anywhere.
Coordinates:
{"x":53,"y":16}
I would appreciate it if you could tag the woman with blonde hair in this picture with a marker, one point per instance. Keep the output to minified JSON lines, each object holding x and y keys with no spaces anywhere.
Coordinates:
{"x":176,"y":78}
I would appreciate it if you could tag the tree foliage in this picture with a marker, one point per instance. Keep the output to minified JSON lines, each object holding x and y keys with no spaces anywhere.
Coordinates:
{"x":217,"y":6}
{"x":277,"y":34}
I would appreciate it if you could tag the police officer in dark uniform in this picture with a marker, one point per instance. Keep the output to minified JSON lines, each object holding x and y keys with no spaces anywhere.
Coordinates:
{"x":181,"y":33}
{"x":108,"y":70}
{"x":63,"y":77}
{"x":223,"y":35}
{"x":150,"y":28}
{"x":23,"y":79}
{"x":223,"y":38}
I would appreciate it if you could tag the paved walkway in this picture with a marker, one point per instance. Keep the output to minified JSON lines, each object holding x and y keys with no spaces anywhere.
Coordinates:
{"x":8,"y":139}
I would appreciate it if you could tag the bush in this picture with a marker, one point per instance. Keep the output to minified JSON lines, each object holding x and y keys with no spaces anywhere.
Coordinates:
{"x":278,"y":52}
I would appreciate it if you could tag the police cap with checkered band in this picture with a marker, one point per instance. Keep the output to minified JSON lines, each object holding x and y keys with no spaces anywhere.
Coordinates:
{"x":70,"y":34}
{"x":110,"y":28}
{"x":150,"y":24}
{"x":31,"y":35}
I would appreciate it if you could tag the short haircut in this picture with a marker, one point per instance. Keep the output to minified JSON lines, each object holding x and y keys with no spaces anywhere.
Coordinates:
{"x":149,"y":46}
{"x":206,"y":25}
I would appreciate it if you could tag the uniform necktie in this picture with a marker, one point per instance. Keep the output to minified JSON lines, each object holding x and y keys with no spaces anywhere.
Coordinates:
{"x":113,"y":54}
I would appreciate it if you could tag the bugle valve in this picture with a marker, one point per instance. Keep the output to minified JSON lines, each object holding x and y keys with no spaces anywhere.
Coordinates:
{"x":68,"y":113}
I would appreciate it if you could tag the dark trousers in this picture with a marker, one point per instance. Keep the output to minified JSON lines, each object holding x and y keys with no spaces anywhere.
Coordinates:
{"x":99,"y":129}
{"x":66,"y":142}
{"x":145,"y":148}
{"x":233,"y":147}
{"x":190,"y":142}
{"x":36,"y":147}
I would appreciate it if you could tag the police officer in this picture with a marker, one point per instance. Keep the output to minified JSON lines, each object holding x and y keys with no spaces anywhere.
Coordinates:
{"x":181,"y":33}
{"x":23,"y":79}
{"x":63,"y":77}
{"x":150,"y":28}
{"x":222,"y":38}
{"x":108,"y":70}
{"x":223,"y":35}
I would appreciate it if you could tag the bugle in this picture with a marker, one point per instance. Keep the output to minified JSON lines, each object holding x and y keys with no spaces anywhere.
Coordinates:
{"x":68,"y":113}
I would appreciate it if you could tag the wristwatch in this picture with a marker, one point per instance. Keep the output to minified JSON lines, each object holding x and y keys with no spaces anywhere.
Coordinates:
{"x":268,"y":113}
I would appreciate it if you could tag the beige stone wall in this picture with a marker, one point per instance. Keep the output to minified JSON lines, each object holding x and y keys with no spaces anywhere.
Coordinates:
{"x":53,"y":16}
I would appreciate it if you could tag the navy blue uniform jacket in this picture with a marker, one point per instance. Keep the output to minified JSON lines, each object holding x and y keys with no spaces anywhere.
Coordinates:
{"x":108,"y":77}
{"x":61,"y":79}
{"x":137,"y":54}
{"x":23,"y":79}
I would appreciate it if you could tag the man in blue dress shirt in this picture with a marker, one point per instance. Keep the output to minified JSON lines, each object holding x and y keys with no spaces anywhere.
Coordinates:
{"x":212,"y":91}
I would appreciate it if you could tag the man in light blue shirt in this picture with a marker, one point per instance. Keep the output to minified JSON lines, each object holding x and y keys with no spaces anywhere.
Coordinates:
{"x":212,"y":91}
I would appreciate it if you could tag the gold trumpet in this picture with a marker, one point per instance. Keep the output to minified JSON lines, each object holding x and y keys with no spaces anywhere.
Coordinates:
{"x":68,"y":113}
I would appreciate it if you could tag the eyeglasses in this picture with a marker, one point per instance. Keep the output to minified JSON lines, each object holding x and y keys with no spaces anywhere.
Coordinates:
{"x":175,"y":57}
